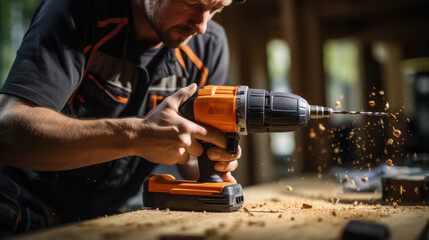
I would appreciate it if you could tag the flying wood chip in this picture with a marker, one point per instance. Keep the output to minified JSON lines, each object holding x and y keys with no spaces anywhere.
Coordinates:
{"x":306,"y":206}
{"x":337,"y":105}
{"x":396,"y":132}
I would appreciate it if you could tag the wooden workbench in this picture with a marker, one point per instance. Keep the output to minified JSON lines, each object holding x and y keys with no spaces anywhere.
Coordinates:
{"x":269,"y":212}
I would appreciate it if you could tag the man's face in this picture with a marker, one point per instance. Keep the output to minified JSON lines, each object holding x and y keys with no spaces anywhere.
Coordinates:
{"x":176,"y":21}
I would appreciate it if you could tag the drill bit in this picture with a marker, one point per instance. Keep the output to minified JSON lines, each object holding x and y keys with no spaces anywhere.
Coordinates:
{"x":361,"y":113}
{"x":317,"y":112}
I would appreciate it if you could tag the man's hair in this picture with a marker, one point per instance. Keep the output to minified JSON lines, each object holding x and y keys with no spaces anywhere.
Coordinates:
{"x":239,"y":1}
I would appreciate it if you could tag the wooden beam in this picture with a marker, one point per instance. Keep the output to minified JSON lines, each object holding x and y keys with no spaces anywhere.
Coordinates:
{"x":303,"y":34}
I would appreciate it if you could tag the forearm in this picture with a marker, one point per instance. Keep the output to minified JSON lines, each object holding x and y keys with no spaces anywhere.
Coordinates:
{"x":42,"y":139}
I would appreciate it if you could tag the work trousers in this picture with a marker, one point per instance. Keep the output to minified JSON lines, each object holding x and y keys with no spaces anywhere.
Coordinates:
{"x":20,"y":208}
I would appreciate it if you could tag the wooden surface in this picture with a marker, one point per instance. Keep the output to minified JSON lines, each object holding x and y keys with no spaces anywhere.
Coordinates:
{"x":269,"y":212}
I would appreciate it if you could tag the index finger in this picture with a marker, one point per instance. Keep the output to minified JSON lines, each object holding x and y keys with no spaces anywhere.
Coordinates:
{"x":209,"y":134}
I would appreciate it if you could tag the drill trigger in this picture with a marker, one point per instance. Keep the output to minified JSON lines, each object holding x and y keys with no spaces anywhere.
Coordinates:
{"x":232,"y":140}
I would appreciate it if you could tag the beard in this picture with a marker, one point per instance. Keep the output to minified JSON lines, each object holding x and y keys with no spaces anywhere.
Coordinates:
{"x":172,"y":37}
{"x":176,"y":36}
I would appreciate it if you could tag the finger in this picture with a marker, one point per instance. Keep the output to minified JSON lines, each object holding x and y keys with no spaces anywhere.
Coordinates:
{"x":227,"y":177}
{"x":195,"y":149}
{"x":226,"y":166}
{"x":183,"y":158}
{"x":183,"y":94}
{"x":209,"y":134}
{"x":220,"y":154}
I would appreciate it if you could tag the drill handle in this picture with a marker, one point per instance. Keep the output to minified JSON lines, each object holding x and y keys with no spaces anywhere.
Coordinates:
{"x":206,"y":166}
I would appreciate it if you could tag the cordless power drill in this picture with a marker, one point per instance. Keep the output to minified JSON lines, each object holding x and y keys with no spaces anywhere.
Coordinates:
{"x":235,"y":111}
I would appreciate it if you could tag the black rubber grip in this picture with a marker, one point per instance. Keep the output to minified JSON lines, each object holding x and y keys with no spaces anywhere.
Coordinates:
{"x":206,"y":167}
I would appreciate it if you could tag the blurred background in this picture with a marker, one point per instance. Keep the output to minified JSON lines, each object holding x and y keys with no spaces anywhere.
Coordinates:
{"x":342,"y":54}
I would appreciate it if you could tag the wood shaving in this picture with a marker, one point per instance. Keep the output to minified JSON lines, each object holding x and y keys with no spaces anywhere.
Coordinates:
{"x":364,"y":179}
{"x":352,"y":182}
{"x":246,"y":209}
{"x":386,"y":107}
{"x":401,"y":190}
{"x":336,"y":150}
{"x":355,"y":203}
{"x":389,"y":162}
{"x":306,"y":206}
{"x":321,"y":127}
{"x":256,"y":223}
{"x":396,"y":132}
{"x":389,"y":141}
{"x":351,"y":134}
{"x":312,"y":133}
{"x":416,"y":190}
{"x":337,"y":105}
{"x":372,"y":103}
{"x":289,"y":188}
{"x":395,"y":205}
{"x":381,"y":92}
{"x":335,"y":200}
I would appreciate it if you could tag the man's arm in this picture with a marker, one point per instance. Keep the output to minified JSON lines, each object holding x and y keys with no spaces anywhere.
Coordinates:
{"x":41,"y":139}
{"x":38,"y":138}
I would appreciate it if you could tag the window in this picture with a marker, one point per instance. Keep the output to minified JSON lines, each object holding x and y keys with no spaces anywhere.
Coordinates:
{"x":15,"y":16}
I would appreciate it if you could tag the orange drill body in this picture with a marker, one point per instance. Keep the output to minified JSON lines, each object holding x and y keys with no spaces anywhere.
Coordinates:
{"x":216,"y":106}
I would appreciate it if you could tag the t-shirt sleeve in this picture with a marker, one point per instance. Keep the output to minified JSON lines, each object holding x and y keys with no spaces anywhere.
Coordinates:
{"x":50,"y":61}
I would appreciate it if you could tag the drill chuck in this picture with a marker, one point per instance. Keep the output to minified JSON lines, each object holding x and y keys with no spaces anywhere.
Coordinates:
{"x":260,"y":111}
{"x":317,"y":112}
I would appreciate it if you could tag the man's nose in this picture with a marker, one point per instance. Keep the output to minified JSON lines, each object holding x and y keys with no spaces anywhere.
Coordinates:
{"x":199,"y":22}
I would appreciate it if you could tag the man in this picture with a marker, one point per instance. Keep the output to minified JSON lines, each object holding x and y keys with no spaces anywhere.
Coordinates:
{"x":76,"y":135}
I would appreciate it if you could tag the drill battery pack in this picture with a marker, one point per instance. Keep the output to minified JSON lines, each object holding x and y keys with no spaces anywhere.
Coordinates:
{"x":406,"y":189}
{"x":164,"y":191}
